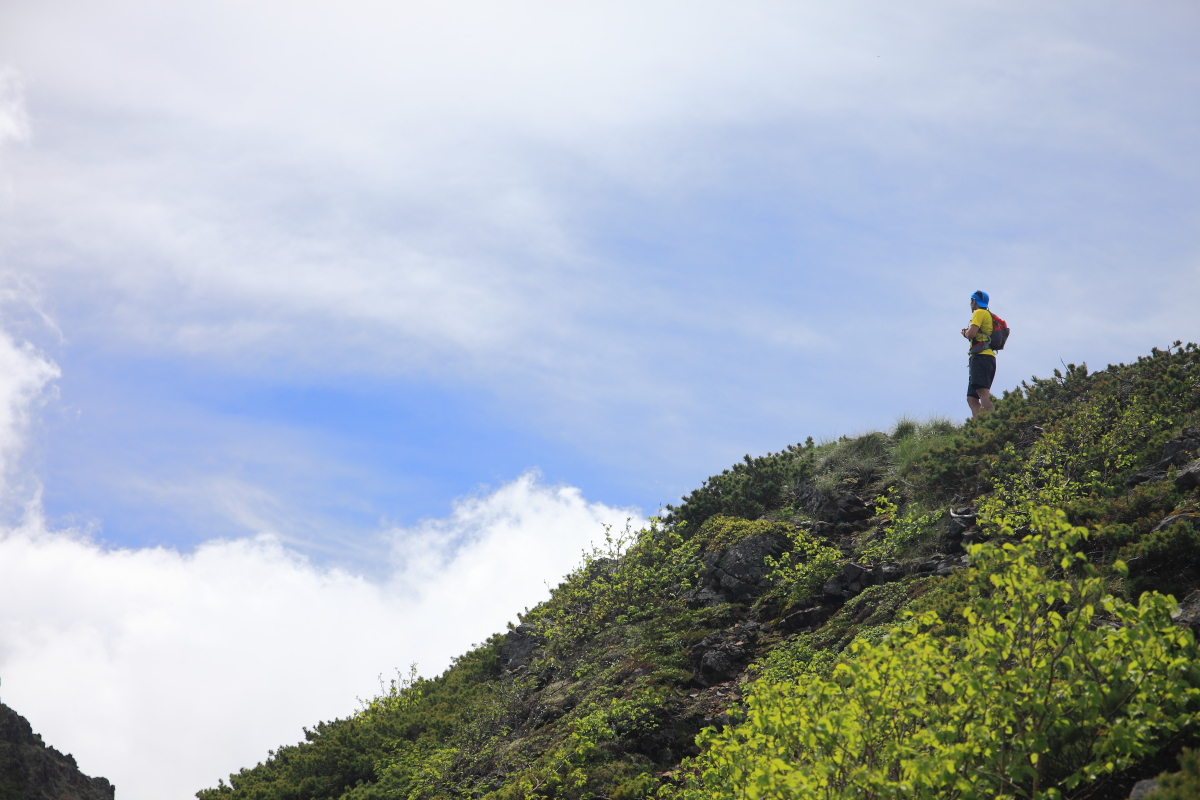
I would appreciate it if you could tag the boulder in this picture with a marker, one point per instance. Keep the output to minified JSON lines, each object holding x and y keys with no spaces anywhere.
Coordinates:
{"x":888,"y":573}
{"x":943,"y":565}
{"x":1143,"y":788}
{"x":703,"y":598}
{"x":1188,"y":477}
{"x":1171,"y":520}
{"x":722,"y":656}
{"x":1176,"y":453}
{"x":806,"y":618}
{"x":837,"y":507}
{"x":974,"y":536}
{"x":739,"y":571}
{"x":518,"y":647}
{"x":853,"y":578}
{"x":1188,"y":613}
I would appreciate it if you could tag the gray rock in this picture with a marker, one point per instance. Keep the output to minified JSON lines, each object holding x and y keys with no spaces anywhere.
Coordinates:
{"x":806,"y":618}
{"x":974,"y":536}
{"x":1176,"y":453}
{"x":834,"y":587}
{"x":838,"y":507}
{"x":703,"y":598}
{"x":888,"y":573}
{"x":852,"y":571}
{"x":518,"y":647}
{"x":1188,"y":477}
{"x":1171,"y":520}
{"x":1143,"y":788}
{"x":722,"y":656}
{"x":1188,"y":613}
{"x":739,"y":571}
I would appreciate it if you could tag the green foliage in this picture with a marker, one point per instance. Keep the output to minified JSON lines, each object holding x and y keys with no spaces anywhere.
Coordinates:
{"x":1167,"y":560}
{"x":800,"y":572}
{"x":759,"y":485}
{"x":1082,"y":454}
{"x":1055,"y":683}
{"x":1047,"y":662}
{"x":748,"y":489}
{"x":1182,"y":785}
{"x":626,"y":579}
{"x":912,"y":441}
{"x":906,"y":529}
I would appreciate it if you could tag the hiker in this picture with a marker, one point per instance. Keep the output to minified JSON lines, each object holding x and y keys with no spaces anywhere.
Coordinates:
{"x":982,"y":363}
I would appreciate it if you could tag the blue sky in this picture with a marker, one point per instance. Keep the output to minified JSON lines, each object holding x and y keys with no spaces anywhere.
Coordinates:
{"x":333,"y":273}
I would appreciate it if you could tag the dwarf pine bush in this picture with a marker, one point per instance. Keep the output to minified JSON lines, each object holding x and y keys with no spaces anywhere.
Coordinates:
{"x":1056,"y":682}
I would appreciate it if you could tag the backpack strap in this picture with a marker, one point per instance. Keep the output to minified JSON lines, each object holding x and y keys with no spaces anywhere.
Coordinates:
{"x":979,"y":347}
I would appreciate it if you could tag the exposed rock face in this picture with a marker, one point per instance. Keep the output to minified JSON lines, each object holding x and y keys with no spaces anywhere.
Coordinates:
{"x":738,"y":571}
{"x":1188,"y":477}
{"x":1188,"y":613}
{"x":806,"y":615}
{"x":1176,"y":453}
{"x":1143,"y":789}
{"x":841,"y":507}
{"x":519,"y":645}
{"x":722,"y":656}
{"x":1171,"y":520}
{"x":29,"y":770}
{"x":855,"y":577}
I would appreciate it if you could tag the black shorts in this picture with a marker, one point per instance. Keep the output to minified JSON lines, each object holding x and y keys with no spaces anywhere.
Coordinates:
{"x":983,"y":372}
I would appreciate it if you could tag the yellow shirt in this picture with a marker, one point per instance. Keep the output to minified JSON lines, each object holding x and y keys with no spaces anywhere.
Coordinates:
{"x":983,"y":319}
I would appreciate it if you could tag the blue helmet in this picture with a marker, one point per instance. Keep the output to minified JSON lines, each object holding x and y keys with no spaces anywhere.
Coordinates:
{"x":981,"y":298}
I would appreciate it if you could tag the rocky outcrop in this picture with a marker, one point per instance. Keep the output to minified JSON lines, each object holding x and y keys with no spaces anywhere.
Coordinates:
{"x":1188,"y":613}
{"x":1176,"y":453}
{"x":840,"y":506}
{"x":1143,"y":789}
{"x":1188,"y":477}
{"x":853,"y":578}
{"x":518,"y":647}
{"x":806,"y":615}
{"x":722,"y":656}
{"x":737,"y":573}
{"x":740,"y":570}
{"x":30,"y":770}
{"x":1174,"y":518}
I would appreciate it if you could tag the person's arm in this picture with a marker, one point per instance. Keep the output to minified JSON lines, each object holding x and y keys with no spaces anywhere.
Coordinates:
{"x":970,"y":333}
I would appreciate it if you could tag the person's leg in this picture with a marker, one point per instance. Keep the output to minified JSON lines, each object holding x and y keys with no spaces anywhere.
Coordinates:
{"x":982,"y":370}
{"x":972,"y":394}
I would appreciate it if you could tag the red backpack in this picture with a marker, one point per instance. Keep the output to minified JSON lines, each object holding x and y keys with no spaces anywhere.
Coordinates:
{"x":1000,"y":332}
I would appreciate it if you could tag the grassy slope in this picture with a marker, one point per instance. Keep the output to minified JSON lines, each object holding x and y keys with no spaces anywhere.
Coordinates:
{"x":613,"y":695}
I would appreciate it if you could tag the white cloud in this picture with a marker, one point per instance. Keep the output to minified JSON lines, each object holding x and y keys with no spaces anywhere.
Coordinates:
{"x":14,"y":122}
{"x":24,"y":374}
{"x":399,"y":187}
{"x":164,"y":671}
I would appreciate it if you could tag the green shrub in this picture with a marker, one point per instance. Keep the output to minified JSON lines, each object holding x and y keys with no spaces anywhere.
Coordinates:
{"x":1182,"y":785}
{"x":1055,"y":683}
{"x":1166,"y":560}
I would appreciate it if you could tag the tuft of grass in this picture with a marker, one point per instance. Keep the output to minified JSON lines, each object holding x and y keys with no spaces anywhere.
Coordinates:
{"x":912,"y":440}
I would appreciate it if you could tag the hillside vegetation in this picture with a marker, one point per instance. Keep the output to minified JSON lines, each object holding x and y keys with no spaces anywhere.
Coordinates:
{"x":936,"y":611}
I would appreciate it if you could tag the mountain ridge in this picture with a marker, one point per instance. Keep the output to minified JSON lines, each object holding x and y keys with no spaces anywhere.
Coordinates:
{"x":32,"y":770}
{"x":787,"y":569}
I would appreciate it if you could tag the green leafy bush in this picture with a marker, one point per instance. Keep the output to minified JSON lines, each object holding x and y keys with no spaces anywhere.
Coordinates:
{"x":1056,"y":682}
